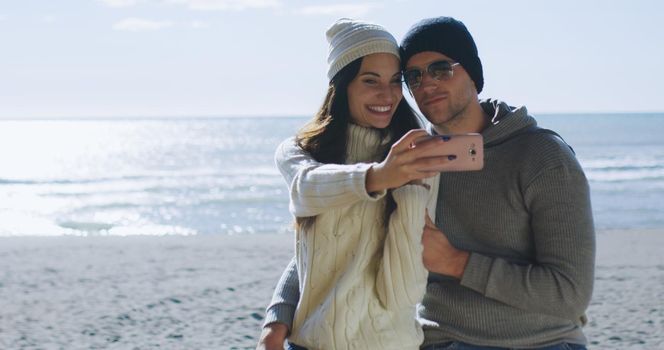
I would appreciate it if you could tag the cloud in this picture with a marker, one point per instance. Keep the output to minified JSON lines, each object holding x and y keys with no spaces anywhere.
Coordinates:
{"x":120,"y":3}
{"x":139,"y":24}
{"x":236,"y":5}
{"x":346,"y":10}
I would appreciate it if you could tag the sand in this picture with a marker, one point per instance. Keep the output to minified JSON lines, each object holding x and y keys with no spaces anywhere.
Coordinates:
{"x":210,"y":292}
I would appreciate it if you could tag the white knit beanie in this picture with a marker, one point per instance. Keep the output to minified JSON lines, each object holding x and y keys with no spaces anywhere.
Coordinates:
{"x":351,"y":39}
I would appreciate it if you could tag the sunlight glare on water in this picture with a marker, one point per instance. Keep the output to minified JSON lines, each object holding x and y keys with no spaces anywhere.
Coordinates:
{"x":126,"y":177}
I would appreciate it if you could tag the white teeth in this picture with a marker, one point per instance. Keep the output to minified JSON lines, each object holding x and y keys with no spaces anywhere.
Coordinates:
{"x":380,"y":108}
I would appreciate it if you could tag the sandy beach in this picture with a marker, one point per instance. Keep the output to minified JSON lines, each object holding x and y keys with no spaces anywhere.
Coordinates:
{"x":209,"y":292}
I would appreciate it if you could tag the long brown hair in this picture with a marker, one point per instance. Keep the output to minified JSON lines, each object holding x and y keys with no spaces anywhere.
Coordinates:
{"x":325,"y":136}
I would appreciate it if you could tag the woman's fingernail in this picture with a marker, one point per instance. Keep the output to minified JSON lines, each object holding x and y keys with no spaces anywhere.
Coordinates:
{"x":452,"y":157}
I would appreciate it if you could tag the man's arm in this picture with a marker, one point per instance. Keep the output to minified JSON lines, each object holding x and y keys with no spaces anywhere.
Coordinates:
{"x":560,"y":280}
{"x":281,"y":311}
{"x":285,"y":297}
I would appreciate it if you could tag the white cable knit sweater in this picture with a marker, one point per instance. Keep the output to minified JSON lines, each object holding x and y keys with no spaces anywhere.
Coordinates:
{"x":359,"y":283}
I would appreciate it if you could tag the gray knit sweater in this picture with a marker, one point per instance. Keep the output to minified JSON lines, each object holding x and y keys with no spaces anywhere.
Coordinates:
{"x":527,"y":221}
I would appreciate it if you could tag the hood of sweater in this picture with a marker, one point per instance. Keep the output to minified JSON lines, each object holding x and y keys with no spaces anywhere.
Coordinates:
{"x":504,"y":120}
{"x":364,"y":144}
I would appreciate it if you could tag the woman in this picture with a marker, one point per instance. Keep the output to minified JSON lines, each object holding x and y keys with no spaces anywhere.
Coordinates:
{"x":360,"y":195}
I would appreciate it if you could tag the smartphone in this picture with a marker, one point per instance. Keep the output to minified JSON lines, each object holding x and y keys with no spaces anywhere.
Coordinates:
{"x":468,"y":149}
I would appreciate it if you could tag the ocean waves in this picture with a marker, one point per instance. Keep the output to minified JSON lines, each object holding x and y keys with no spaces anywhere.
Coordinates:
{"x":624,"y":169}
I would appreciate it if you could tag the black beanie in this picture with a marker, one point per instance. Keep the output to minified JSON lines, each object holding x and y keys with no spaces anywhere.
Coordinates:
{"x":449,"y":37}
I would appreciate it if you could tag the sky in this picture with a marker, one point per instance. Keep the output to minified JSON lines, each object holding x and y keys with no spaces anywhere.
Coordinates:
{"x":193,"y":58}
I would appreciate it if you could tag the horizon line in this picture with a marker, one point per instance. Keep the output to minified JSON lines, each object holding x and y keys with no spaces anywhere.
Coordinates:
{"x":263,"y":116}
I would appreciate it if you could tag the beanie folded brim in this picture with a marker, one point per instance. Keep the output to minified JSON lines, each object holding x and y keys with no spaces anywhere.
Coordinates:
{"x":369,"y":47}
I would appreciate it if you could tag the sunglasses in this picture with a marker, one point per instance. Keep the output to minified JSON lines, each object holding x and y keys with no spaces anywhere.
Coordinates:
{"x":439,"y":70}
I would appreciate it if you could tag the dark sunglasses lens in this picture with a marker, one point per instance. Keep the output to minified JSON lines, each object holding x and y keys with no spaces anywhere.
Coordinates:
{"x":412,"y":78}
{"x":440,"y":69}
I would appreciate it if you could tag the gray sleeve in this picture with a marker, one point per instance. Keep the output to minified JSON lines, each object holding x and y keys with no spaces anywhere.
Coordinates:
{"x":285,"y":298}
{"x":560,"y":281}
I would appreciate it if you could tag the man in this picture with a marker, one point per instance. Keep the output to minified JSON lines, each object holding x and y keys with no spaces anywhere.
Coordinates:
{"x":511,"y":255}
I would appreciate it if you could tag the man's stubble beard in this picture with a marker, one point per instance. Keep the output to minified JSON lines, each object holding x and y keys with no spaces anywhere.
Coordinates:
{"x":457,"y":114}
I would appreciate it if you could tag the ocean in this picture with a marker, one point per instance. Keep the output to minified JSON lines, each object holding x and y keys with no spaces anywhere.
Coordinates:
{"x":217,"y":175}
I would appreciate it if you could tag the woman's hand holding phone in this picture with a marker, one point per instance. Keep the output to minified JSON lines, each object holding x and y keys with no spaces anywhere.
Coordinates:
{"x":418,"y":155}
{"x":468,"y":150}
{"x":407,"y":160}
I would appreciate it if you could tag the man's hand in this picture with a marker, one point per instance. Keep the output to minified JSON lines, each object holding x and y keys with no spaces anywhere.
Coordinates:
{"x":273,"y":337}
{"x":439,"y":255}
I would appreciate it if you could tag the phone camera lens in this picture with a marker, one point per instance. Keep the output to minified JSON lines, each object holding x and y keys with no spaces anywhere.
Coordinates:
{"x":473,"y":152}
